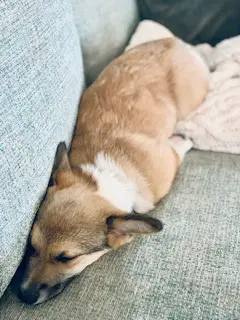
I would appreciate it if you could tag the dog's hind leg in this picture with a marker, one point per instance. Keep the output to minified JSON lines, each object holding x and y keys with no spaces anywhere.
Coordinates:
{"x":180,"y":145}
{"x":174,"y":151}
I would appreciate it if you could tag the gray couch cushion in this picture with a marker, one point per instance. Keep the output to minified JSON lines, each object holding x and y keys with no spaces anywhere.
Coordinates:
{"x":189,"y":272}
{"x":104,"y":28}
{"x":41,"y":82}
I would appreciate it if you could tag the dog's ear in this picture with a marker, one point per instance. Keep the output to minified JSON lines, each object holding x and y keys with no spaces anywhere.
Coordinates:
{"x":123,"y":229}
{"x":61,"y":158}
{"x":62,"y":175}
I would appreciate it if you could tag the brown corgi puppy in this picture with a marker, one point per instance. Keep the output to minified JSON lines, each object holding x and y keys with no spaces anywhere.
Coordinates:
{"x":123,"y":160}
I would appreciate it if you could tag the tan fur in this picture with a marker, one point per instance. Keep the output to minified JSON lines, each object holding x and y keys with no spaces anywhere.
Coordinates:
{"x":132,"y":108}
{"x":128,"y":113}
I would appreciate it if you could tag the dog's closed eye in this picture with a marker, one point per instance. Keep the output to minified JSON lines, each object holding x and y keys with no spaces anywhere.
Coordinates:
{"x":62,"y":258}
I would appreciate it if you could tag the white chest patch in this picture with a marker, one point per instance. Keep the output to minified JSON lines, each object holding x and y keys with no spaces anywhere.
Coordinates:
{"x":113,"y":183}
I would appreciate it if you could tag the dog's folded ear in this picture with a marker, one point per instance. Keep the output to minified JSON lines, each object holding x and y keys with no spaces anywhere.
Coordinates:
{"x":61,"y":161}
{"x":62,"y":175}
{"x":123,"y":229}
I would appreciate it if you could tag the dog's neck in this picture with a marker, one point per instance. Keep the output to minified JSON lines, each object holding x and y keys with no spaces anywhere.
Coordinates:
{"x":113,"y":183}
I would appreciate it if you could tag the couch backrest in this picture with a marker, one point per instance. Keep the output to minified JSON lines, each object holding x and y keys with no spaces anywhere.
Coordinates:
{"x":41,"y":82}
{"x":104,"y":29}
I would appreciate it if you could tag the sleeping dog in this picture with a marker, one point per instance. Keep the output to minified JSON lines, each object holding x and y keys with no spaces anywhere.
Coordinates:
{"x":123,"y":160}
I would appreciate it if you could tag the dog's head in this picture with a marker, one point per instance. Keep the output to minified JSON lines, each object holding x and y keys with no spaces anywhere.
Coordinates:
{"x":74,"y":228}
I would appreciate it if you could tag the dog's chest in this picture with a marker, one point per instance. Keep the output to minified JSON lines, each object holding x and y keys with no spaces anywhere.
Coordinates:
{"x":113,"y":184}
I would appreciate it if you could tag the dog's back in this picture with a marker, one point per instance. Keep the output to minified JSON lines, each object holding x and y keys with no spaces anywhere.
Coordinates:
{"x":143,"y":92}
{"x":131,"y":110}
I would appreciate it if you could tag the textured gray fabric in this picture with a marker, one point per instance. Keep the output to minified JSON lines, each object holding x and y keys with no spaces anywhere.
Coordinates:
{"x":104,"y":28}
{"x":41,"y":82}
{"x":189,"y":272}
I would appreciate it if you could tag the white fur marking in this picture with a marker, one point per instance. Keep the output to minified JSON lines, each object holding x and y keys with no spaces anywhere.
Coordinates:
{"x":143,"y":205}
{"x":180,"y":145}
{"x":113,"y":183}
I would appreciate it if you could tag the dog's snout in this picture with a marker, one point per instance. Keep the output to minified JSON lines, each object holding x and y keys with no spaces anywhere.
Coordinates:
{"x":29,"y":295}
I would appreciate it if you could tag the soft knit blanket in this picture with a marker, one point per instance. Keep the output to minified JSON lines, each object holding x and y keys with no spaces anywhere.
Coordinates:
{"x":215,"y":125}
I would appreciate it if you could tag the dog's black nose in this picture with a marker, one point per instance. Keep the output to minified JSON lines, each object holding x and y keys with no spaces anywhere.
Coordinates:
{"x":29,"y":295}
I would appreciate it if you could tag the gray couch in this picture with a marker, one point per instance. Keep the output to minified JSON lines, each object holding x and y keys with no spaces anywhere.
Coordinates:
{"x":191,"y":270}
